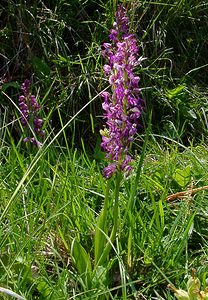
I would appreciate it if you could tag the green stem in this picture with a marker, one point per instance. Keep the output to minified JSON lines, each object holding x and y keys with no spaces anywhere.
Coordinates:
{"x":115,"y":222}
{"x":131,"y":202}
{"x":106,"y":204}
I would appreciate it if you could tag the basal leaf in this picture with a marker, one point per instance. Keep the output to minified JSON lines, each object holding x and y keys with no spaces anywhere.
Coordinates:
{"x":82,"y":262}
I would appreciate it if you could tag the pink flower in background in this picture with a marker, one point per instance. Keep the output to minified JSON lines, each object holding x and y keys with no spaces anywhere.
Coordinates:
{"x":29,"y":109}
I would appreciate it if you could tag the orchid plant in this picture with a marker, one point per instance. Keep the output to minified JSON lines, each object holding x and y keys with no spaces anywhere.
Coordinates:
{"x":122,"y":108}
{"x":29,"y":109}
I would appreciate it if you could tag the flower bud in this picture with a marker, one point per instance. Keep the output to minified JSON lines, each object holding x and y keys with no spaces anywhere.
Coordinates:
{"x":182,"y":295}
{"x":203,"y":295}
{"x":193,"y":286}
{"x":179,"y":294}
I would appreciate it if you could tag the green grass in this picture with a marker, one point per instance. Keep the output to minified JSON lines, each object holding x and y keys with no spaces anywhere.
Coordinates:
{"x":51,"y":197}
{"x":59,"y":199}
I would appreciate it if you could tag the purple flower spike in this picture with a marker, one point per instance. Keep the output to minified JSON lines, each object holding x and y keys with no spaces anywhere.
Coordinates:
{"x":29,"y":108}
{"x":26,"y":87}
{"x":123,"y":106}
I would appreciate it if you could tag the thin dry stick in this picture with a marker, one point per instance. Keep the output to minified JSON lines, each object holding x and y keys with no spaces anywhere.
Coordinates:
{"x":186,"y":193}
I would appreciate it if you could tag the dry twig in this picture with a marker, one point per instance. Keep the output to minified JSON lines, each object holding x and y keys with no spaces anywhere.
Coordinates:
{"x":186,"y":193}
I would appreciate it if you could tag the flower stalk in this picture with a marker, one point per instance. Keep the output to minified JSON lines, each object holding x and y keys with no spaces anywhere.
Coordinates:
{"x":108,"y":246}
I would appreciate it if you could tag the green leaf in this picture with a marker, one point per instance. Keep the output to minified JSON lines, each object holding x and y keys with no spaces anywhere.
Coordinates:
{"x":99,"y":236}
{"x":100,"y":276}
{"x":44,"y":289}
{"x":175,"y":92}
{"x":41,"y":68}
{"x":148,"y":256}
{"x":82,"y":262}
{"x":100,"y":230}
{"x":192,"y":114}
{"x":12,"y":84}
{"x":182,"y":176}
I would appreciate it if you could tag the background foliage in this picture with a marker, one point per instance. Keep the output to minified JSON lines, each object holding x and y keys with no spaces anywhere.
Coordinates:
{"x":50,"y":196}
{"x":57,"y":45}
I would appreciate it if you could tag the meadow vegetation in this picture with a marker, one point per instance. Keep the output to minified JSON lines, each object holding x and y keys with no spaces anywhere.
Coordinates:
{"x":52,"y":195}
